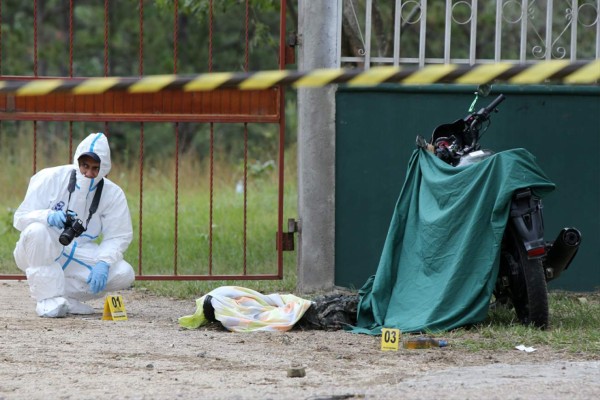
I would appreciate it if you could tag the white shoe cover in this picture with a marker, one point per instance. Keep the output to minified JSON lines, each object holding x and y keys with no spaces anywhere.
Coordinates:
{"x":77,"y":307}
{"x":55,"y":307}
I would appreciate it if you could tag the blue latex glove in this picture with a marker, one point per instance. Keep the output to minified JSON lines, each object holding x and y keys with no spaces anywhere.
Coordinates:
{"x":57,"y":219}
{"x":98,"y":277}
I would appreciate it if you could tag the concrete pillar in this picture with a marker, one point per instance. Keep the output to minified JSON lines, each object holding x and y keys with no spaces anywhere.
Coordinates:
{"x":318,"y":48}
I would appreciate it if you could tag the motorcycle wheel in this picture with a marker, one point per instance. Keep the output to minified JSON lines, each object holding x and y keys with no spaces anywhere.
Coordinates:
{"x":527,"y":282}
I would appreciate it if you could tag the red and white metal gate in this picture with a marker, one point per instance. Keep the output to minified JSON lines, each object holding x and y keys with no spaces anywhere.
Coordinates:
{"x":174,"y":106}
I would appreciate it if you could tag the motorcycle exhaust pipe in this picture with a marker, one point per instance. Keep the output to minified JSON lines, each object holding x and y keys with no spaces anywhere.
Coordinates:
{"x":562,"y":252}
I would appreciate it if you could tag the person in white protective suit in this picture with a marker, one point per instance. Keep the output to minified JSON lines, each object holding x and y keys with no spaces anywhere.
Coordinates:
{"x":62,"y":274}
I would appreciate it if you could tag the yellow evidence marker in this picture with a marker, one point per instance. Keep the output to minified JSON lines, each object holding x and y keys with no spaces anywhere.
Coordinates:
{"x":390,"y":338}
{"x":114,"y":309}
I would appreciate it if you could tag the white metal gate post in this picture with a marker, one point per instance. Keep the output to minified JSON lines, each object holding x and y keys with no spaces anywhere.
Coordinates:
{"x":318,"y":48}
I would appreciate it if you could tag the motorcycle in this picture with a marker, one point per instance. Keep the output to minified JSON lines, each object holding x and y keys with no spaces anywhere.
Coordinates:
{"x":527,"y":261}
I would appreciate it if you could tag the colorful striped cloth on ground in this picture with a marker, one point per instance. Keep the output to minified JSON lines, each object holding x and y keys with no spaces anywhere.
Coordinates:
{"x":241,"y":309}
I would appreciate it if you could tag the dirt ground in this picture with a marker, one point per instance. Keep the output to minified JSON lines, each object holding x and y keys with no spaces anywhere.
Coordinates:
{"x":150,"y":357}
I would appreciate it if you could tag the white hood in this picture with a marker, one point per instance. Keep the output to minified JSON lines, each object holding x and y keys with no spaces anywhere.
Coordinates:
{"x":95,"y":143}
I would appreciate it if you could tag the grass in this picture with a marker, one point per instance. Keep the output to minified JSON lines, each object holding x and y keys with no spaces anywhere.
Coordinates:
{"x":574,"y":328}
{"x":195,"y":254}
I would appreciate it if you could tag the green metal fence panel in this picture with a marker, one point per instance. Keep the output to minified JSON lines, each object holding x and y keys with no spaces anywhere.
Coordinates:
{"x":375,"y":136}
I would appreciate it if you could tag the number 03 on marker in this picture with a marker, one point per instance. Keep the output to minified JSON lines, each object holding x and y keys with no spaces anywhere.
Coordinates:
{"x":390,"y":338}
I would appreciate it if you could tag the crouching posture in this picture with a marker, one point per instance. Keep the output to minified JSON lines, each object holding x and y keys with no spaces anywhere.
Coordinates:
{"x":75,"y":226}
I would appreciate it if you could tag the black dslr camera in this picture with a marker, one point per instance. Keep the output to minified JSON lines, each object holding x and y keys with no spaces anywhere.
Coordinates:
{"x":73,"y":228}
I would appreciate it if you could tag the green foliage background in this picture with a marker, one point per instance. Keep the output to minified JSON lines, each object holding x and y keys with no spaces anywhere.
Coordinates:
{"x":194,"y":55}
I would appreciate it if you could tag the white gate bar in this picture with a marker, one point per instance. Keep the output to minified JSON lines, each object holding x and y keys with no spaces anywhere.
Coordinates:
{"x":340,"y":17}
{"x":422,"y":33}
{"x":473,"y":44}
{"x":524,"y":20}
{"x":368,"y":29}
{"x":598,"y":29}
{"x":498,"y":34}
{"x":397,"y":18}
{"x":549,"y":43}
{"x":448,"y":32}
{"x":575,"y":17}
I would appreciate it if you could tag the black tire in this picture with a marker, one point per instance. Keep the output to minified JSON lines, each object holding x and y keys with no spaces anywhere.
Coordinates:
{"x":527,"y":282}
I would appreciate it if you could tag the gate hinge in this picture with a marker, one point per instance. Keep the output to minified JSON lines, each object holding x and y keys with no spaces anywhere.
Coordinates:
{"x":290,"y":48}
{"x":287,"y":238}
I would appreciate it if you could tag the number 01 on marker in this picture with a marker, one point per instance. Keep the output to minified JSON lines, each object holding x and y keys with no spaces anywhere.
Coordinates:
{"x":390,"y":338}
{"x":114,"y":309}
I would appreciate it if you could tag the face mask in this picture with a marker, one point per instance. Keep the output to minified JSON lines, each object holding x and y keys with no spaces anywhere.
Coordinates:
{"x":85,"y":184}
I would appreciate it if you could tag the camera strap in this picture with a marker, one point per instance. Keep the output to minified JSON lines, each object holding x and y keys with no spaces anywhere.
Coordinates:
{"x":95,"y":200}
{"x":72,"y":181}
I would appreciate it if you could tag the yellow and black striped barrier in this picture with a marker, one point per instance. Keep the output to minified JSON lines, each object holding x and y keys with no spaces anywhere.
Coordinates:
{"x":554,"y":71}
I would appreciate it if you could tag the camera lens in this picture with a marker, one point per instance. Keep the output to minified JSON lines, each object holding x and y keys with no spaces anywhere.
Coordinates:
{"x":66,"y":237}
{"x":73,"y":228}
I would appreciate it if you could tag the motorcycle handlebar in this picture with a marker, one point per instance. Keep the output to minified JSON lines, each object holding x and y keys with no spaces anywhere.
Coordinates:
{"x":487,"y":110}
{"x":476,"y":119}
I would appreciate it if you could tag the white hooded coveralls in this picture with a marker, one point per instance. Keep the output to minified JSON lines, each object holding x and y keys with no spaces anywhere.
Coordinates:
{"x":60,"y":273}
